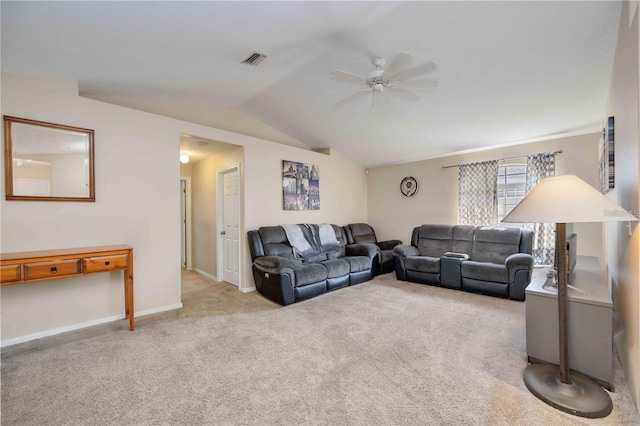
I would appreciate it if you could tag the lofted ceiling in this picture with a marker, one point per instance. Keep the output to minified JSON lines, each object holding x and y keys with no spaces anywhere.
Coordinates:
{"x":508,"y":72}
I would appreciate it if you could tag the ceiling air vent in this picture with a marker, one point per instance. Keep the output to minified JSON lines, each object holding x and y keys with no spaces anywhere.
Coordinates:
{"x":254,"y":59}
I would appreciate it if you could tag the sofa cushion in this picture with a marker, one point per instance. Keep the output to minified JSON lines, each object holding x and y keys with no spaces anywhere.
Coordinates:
{"x":275,"y":242}
{"x":434,"y":240}
{"x":463,"y":239}
{"x":423,"y":264}
{"x":485,"y":271}
{"x":309,"y":273}
{"x":362,"y":233}
{"x":495,"y":243}
{"x":358,"y":263}
{"x":336,"y":267}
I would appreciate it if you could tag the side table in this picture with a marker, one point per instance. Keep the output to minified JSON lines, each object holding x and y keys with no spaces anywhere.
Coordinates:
{"x":590,"y":323}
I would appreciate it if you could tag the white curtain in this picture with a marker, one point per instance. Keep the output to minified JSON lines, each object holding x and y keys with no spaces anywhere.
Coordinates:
{"x":540,"y":166}
{"x":477,"y":193}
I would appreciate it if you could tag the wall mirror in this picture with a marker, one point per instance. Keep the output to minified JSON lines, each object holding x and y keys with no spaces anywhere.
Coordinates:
{"x":47,"y":161}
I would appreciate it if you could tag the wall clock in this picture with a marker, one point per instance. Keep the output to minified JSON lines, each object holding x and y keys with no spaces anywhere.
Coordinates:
{"x":409,"y":186}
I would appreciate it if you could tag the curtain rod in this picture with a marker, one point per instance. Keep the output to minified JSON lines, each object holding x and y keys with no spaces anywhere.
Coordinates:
{"x":499,"y":159}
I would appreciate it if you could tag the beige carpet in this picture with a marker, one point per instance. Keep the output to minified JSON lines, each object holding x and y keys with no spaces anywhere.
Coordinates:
{"x":382,"y":352}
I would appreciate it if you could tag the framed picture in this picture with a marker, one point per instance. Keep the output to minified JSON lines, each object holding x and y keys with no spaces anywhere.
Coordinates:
{"x":300,"y":186}
{"x":607,"y":157}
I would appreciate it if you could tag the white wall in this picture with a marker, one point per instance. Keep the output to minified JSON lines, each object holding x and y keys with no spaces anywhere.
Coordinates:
{"x":622,"y":249}
{"x":393,"y":216}
{"x":343,"y":191}
{"x":137,"y":203}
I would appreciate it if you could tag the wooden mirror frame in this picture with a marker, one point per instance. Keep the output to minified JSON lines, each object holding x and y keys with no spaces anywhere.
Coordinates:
{"x":8,"y":160}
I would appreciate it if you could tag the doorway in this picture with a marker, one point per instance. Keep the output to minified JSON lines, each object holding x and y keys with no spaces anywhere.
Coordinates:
{"x":228,"y":194}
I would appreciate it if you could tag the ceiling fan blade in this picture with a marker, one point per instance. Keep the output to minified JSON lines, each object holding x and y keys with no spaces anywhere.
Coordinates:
{"x":353,"y":97}
{"x":347,"y":77}
{"x":399,"y":64}
{"x":405,"y":94}
{"x":417,"y":85}
{"x":424,"y":68}
{"x":381,"y":101}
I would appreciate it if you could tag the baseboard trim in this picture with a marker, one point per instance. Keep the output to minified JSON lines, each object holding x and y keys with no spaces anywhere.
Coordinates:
{"x":206,"y":274}
{"x":158,"y":310}
{"x":73,"y":327}
{"x":248,"y":290}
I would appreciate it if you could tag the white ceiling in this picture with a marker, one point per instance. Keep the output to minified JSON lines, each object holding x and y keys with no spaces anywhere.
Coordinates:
{"x":508,"y":72}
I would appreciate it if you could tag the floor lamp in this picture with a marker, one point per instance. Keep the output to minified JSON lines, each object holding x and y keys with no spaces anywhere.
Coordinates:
{"x":561,"y":200}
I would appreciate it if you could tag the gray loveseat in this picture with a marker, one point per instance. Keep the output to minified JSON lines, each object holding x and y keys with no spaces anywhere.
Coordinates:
{"x":283,"y":278}
{"x":491,"y":260}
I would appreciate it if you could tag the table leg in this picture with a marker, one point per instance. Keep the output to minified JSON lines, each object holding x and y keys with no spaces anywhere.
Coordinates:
{"x":128,"y":292}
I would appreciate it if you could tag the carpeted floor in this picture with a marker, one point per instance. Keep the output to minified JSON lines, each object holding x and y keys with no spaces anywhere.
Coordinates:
{"x":382,"y":352}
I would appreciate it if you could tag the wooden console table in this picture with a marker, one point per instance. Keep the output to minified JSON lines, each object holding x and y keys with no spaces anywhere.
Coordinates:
{"x":30,"y":266}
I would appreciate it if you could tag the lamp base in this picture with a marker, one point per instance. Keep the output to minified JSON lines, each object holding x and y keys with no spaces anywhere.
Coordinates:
{"x":582,"y":397}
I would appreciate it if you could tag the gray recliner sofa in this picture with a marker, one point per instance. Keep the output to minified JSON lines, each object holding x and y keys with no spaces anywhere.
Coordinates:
{"x":281,"y":277}
{"x":492,"y":260}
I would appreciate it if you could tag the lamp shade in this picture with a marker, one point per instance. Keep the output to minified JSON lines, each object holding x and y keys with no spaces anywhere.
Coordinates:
{"x":566,"y":199}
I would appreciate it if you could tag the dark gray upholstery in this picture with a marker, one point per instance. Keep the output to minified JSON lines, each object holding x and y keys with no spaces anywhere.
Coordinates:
{"x":495,"y":244}
{"x":485,"y":271}
{"x":358,"y":263}
{"x":362,"y":233}
{"x":463,"y":239}
{"x":423,"y":264}
{"x":309,"y":273}
{"x":434,"y":240}
{"x":336,"y":267}
{"x":493,"y":260}
{"x":279,"y":276}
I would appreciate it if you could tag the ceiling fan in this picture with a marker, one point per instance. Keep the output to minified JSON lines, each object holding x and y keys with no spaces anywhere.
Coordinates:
{"x":392,"y":79}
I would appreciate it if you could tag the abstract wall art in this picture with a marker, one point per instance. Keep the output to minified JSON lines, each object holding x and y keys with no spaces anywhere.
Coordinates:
{"x":300,"y":186}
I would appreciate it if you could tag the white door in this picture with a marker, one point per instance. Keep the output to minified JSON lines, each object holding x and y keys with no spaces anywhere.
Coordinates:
{"x":183,"y":223}
{"x":231,"y":228}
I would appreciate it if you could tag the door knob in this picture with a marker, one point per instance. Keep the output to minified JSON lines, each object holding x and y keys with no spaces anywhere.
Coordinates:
{"x":223,"y":233}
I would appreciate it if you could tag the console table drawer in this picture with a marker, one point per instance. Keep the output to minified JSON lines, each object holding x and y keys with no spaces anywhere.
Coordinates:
{"x":105,"y":263}
{"x":10,"y":273}
{"x":57,"y":268}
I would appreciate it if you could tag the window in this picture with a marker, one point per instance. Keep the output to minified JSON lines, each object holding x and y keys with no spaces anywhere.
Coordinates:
{"x":512,"y":186}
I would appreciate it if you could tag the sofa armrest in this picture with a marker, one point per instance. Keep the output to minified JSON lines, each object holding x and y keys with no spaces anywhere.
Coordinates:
{"x":518,"y":262}
{"x":275,"y":262}
{"x":369,"y":250}
{"x":388,"y":245}
{"x":274,"y":278}
{"x":462,"y":256}
{"x":405,"y":251}
{"x":519,"y":259}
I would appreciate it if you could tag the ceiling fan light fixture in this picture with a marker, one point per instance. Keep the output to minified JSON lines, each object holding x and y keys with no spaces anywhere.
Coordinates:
{"x":382,"y":80}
